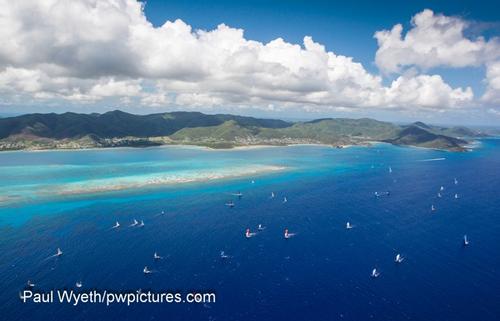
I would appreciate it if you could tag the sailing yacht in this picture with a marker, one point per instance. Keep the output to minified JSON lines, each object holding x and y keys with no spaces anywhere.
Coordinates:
{"x":223,"y":255}
{"x":442,"y":188}
{"x":398,"y":258}
{"x":156,"y":256}
{"x":287,"y":234}
{"x":466,"y":240}
{"x":30,"y":284}
{"x":249,"y":234}
{"x":146,"y":270}
{"x":142,"y":224}
{"x":439,"y":195}
{"x":455,"y":181}
{"x":433,"y":208}
{"x":59,"y":252}
{"x":456,"y":196}
{"x":390,"y":169}
{"x":79,"y":284}
{"x":272,"y":194}
{"x":260,"y":227}
{"x":348,"y":226}
{"x":285,"y":200}
{"x":134,"y":223}
{"x":375,"y":273}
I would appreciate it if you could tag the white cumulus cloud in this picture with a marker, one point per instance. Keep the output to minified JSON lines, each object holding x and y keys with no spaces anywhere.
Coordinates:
{"x":435,"y":40}
{"x":89,"y":50}
{"x":492,"y":93}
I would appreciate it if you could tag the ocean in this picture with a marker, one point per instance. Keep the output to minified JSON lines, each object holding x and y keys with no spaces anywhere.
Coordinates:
{"x":72,"y":199}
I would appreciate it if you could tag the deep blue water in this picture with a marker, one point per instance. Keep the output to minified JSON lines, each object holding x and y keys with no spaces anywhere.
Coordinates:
{"x":322,"y":273}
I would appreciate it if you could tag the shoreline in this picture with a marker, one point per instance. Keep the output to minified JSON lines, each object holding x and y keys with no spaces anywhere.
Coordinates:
{"x":473,"y":144}
{"x":187,"y":146}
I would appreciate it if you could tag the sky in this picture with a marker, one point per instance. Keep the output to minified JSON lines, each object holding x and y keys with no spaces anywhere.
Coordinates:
{"x":435,"y":61}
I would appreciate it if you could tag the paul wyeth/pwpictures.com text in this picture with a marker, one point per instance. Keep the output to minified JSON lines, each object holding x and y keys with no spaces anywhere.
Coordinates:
{"x":109,"y":298}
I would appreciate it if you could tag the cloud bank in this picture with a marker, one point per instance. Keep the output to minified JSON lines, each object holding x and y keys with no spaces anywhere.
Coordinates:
{"x":84,"y":51}
{"x":439,"y":41}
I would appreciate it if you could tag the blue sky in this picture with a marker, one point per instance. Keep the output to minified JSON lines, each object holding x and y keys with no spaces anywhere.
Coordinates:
{"x":442,"y":65}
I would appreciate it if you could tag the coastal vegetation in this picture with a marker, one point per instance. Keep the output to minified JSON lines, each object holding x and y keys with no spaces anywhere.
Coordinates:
{"x":119,"y":129}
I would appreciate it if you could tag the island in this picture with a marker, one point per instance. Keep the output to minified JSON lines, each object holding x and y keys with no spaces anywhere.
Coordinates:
{"x":120,"y":129}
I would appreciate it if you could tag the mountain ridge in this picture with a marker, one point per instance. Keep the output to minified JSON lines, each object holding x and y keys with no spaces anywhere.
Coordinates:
{"x":118,"y":128}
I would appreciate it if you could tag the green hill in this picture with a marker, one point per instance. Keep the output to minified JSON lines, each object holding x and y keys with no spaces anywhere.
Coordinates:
{"x":119,"y":124}
{"x":333,"y":131}
{"x":117,"y":128}
{"x":418,"y":136}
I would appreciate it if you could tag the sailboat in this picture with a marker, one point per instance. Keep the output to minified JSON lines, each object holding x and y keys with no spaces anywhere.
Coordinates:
{"x":272,"y":194}
{"x":455,"y":181}
{"x":433,"y":208}
{"x":249,"y":234}
{"x":30,"y":284}
{"x":58,"y":254}
{"x":162,"y":213}
{"x":456,"y":196}
{"x":230,"y":204}
{"x":375,"y":273}
{"x":285,"y":200}
{"x":390,"y":169}
{"x":79,"y":284}
{"x":260,"y":227}
{"x":442,"y":188}
{"x":439,"y":195}
{"x":156,"y":256}
{"x":348,"y":226}
{"x":238,"y":194}
{"x":142,"y":224}
{"x":287,"y":234}
{"x":466,"y":240}
{"x":398,"y":258}
{"x":117,"y":225}
{"x":146,"y":270}
{"x":134,"y":223}
{"x":223,"y":255}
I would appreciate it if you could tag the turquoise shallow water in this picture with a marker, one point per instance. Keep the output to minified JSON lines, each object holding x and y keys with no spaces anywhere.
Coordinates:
{"x":323,"y":273}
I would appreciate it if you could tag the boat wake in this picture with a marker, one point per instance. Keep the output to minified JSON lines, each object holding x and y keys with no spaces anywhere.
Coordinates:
{"x":432,"y":159}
